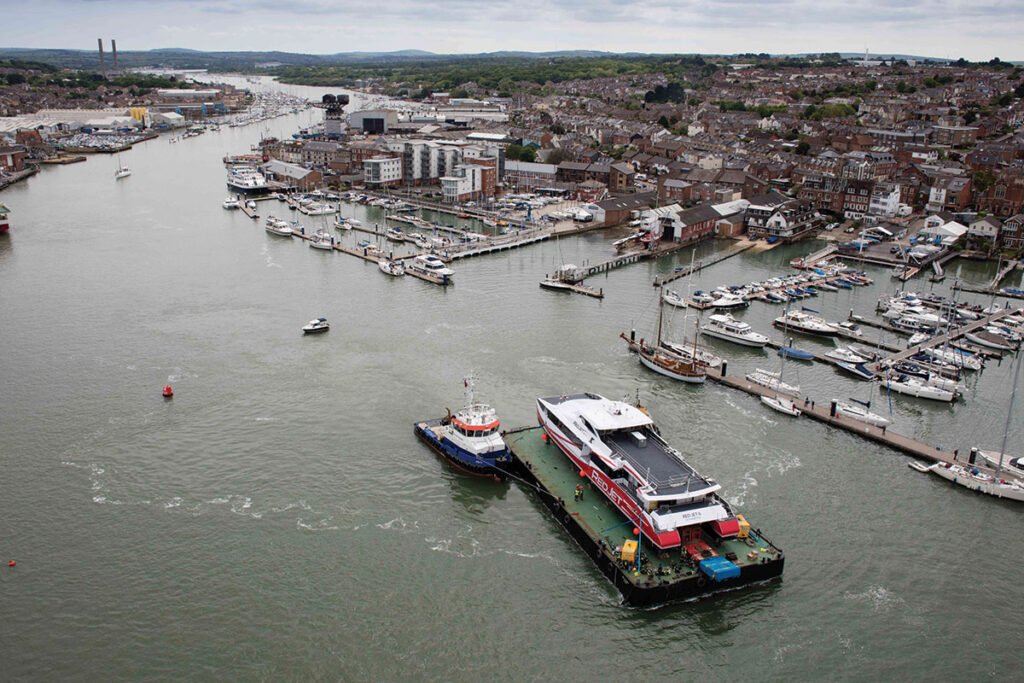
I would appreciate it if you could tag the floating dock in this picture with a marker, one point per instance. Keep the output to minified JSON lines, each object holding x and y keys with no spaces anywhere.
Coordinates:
{"x":601,"y":530}
{"x":575,"y":288}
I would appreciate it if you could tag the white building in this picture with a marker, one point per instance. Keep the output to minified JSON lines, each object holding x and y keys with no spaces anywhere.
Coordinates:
{"x":465,"y":183}
{"x":937,"y":228}
{"x":382,"y":171}
{"x":885,"y":200}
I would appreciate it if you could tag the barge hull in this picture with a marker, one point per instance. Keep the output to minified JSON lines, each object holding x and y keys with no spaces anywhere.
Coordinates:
{"x":545,"y":467}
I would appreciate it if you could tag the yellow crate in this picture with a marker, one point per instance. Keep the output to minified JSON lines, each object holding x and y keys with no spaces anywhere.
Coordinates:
{"x":629,"y":549}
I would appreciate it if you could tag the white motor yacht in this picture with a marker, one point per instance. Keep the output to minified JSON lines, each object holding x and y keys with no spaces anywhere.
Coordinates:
{"x":276,"y":226}
{"x":231,"y":203}
{"x":389,"y":267}
{"x":724,"y":326}
{"x":431,"y":268}
{"x":845,"y":354}
{"x":730,"y":301}
{"x":799,"y":321}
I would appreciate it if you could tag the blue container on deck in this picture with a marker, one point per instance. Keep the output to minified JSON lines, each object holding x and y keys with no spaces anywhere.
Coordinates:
{"x":719,"y":568}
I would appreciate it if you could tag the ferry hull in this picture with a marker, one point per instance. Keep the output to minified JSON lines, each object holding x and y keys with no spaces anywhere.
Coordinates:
{"x":455,"y":456}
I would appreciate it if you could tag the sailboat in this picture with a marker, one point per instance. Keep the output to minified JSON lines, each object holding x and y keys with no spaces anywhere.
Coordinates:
{"x":970,"y":477}
{"x":666,"y":363}
{"x":122,"y":171}
{"x":861,"y":410}
{"x":779,"y":402}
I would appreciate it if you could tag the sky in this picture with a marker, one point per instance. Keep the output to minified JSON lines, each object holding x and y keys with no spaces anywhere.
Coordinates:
{"x":974,"y":29}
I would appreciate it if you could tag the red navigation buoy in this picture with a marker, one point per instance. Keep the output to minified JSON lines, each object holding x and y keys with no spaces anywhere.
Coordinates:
{"x":544,"y":437}
{"x":636,"y":531}
{"x":168,"y":392}
{"x":11,"y":563}
{"x":583,"y":473}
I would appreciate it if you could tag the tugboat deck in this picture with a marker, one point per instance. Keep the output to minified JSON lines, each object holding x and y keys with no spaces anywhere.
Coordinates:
{"x":600,"y":528}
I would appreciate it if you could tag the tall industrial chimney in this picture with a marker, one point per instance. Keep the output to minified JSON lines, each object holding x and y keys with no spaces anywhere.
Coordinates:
{"x":113,"y":51}
{"x":103,"y":66}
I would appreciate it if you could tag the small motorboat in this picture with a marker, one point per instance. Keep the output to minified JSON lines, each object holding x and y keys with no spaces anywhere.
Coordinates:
{"x":316,"y":326}
{"x":390,"y":267}
{"x":231,"y":203}
{"x":858,"y":370}
{"x":845,"y":354}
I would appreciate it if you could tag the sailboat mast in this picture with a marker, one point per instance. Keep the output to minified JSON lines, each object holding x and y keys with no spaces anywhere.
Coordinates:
{"x":1009,"y":415}
{"x":661,"y":308}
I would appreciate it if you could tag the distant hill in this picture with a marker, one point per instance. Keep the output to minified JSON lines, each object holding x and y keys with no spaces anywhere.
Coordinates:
{"x":185,"y":58}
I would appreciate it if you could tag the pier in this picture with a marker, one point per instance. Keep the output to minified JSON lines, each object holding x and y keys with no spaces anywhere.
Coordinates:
{"x":954,"y":335}
{"x":247,"y":210}
{"x":823,"y":414}
{"x":813,"y":259}
{"x":1003,"y":272}
{"x":700,"y":265}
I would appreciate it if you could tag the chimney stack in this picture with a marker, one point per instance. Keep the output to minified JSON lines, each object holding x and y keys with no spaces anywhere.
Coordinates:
{"x":113,"y":51}
{"x":103,"y":66}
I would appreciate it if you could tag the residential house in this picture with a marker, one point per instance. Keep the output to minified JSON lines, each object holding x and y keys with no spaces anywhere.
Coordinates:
{"x":949,"y":193}
{"x":1012,"y":235}
{"x":983,"y":233}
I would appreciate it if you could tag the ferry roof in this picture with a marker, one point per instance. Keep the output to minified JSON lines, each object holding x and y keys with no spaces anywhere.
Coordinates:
{"x":602,"y":413}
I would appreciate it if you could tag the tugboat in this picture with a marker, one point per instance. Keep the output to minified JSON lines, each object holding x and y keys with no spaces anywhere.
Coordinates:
{"x":469,"y":440}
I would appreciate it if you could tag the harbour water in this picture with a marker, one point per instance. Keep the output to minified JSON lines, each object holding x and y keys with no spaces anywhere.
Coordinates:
{"x":278,"y":519}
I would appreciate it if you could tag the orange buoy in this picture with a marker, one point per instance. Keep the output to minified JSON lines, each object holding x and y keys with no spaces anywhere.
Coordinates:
{"x":11,"y":563}
{"x":636,"y":531}
{"x":544,"y":436}
{"x":583,"y":473}
{"x":168,"y":392}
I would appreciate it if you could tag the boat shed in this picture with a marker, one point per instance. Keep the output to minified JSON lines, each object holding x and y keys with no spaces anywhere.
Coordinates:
{"x":291,"y":175}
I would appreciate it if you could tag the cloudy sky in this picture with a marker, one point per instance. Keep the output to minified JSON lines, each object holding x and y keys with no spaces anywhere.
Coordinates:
{"x":975,"y":29}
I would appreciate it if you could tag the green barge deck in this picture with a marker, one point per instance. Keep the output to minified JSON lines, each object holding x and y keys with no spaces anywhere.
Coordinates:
{"x":601,"y":529}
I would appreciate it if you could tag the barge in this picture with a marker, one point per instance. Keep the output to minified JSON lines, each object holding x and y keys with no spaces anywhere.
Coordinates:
{"x":647,"y":569}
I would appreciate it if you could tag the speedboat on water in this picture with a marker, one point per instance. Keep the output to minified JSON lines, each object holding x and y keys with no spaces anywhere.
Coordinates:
{"x":618,"y":447}
{"x":432,"y":268}
{"x":470,"y":439}
{"x":316,"y":326}
{"x":672,"y":298}
{"x":231,"y":203}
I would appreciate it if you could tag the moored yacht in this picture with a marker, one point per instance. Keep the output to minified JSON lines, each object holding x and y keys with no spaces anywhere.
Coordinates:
{"x":276,"y":226}
{"x":432,"y":268}
{"x":724,"y":326}
{"x":247,"y":179}
{"x":618,"y":448}
{"x":772,"y":381}
{"x":800,"y":321}
{"x":469,"y":440}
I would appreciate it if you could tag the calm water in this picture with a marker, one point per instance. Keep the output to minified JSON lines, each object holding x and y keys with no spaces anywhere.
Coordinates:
{"x":279,"y":520}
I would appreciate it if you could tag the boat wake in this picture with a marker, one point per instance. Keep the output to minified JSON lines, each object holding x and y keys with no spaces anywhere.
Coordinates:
{"x":268,"y":259}
{"x":878,"y":597}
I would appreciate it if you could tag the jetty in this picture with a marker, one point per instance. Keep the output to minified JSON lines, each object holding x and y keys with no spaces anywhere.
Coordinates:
{"x":652,"y":577}
{"x":823,"y":411}
{"x":249,"y":211}
{"x":702,"y":264}
{"x":812,"y":260}
{"x":954,"y":336}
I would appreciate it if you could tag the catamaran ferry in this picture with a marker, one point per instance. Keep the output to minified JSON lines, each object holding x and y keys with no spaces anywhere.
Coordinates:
{"x":618,"y":448}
